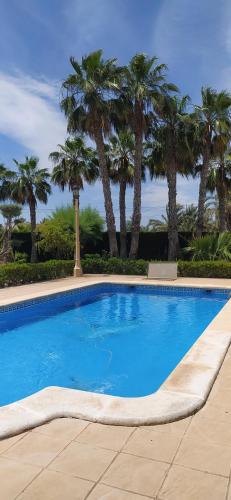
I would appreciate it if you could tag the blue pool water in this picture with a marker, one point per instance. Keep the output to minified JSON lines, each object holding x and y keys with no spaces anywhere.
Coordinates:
{"x":111,"y":339}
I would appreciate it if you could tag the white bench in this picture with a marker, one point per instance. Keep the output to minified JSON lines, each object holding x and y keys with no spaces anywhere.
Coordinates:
{"x":162,"y":270}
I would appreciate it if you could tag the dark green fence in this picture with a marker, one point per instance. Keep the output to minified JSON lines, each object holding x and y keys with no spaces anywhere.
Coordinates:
{"x":151,"y":245}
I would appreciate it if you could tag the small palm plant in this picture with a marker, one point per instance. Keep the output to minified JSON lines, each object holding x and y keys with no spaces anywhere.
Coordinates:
{"x":210,"y":247}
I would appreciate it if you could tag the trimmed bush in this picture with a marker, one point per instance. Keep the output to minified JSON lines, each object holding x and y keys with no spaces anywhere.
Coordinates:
{"x":114,"y":265}
{"x":18,"y":274}
{"x":205,"y":269}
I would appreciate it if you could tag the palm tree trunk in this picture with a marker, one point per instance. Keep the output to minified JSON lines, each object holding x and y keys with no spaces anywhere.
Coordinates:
{"x":110,"y":219}
{"x":202,"y":193}
{"x":33,"y":257}
{"x":173,"y":241}
{"x":6,"y":246}
{"x":221,"y":193}
{"x":136,"y":217}
{"x":123,"y":230}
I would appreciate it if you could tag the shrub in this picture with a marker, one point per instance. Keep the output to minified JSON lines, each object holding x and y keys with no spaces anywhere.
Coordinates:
{"x":20,"y":257}
{"x":205,"y":269}
{"x":18,"y":274}
{"x":210,"y":247}
{"x":56,"y":240}
{"x":114,"y":265}
{"x":57,"y":233}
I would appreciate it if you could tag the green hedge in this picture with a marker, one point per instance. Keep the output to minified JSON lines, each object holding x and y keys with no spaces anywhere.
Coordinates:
{"x":205,"y":269}
{"x":114,"y":265}
{"x":18,"y":274}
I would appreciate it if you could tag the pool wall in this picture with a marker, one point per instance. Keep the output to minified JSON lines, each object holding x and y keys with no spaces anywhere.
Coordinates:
{"x":182,"y":393}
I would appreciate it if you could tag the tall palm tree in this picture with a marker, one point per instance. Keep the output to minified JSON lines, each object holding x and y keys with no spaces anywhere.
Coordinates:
{"x":88,"y":97}
{"x":144,"y":82}
{"x":121,"y":157}
{"x":74,"y":163}
{"x":213,"y":113}
{"x":27,"y":185}
{"x":171,"y":155}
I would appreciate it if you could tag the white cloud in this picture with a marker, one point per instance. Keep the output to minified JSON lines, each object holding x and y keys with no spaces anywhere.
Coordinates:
{"x":30,"y":115}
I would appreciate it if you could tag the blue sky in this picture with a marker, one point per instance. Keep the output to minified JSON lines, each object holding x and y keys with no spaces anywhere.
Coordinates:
{"x":193,"y":37}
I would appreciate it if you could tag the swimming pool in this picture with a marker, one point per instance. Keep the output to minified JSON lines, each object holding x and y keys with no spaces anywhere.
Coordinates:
{"x":110,"y":339}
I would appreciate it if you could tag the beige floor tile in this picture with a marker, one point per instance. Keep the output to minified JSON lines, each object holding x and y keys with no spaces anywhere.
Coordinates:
{"x":83,"y":460}
{"x":186,"y":484}
{"x":179,"y":427}
{"x":5,"y":444}
{"x":14,"y":477}
{"x":221,"y":397}
{"x":112,"y":437}
{"x":204,"y":456}
{"x":103,"y":492}
{"x":152,"y":444}
{"x":136,"y":474}
{"x":210,"y":430}
{"x":51,"y":485}
{"x":69,"y":427}
{"x":213,"y":412}
{"x":229,"y":493}
{"x":36,"y":449}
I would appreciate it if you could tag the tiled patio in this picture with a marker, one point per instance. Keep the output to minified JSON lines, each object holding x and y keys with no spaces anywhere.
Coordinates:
{"x":70,"y":459}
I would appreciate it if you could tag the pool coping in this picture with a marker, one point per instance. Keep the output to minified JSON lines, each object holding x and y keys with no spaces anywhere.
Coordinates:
{"x":182,"y":394}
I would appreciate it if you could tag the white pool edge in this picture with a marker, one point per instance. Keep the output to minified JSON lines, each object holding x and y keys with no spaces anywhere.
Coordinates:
{"x":182,"y":394}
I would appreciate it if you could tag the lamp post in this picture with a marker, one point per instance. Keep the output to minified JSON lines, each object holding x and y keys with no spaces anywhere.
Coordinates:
{"x":77,"y":268}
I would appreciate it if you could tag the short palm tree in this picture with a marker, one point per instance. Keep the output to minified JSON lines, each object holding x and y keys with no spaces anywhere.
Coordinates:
{"x":212,"y":114}
{"x":210,"y":247}
{"x":88,"y":97}
{"x":144,"y":82}
{"x":121,"y":157}
{"x":11,"y":214}
{"x":74,"y":163}
{"x":27,"y":185}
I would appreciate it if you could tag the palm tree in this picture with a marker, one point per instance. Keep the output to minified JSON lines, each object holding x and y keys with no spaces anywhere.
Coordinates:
{"x":213,"y":113}
{"x":172,"y":154}
{"x":219,"y":181}
{"x":74,"y":163}
{"x":11,"y":213}
{"x":89,"y":94}
{"x":144,"y":82}
{"x":121,"y":157}
{"x":26,"y":186}
{"x":188,"y":219}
